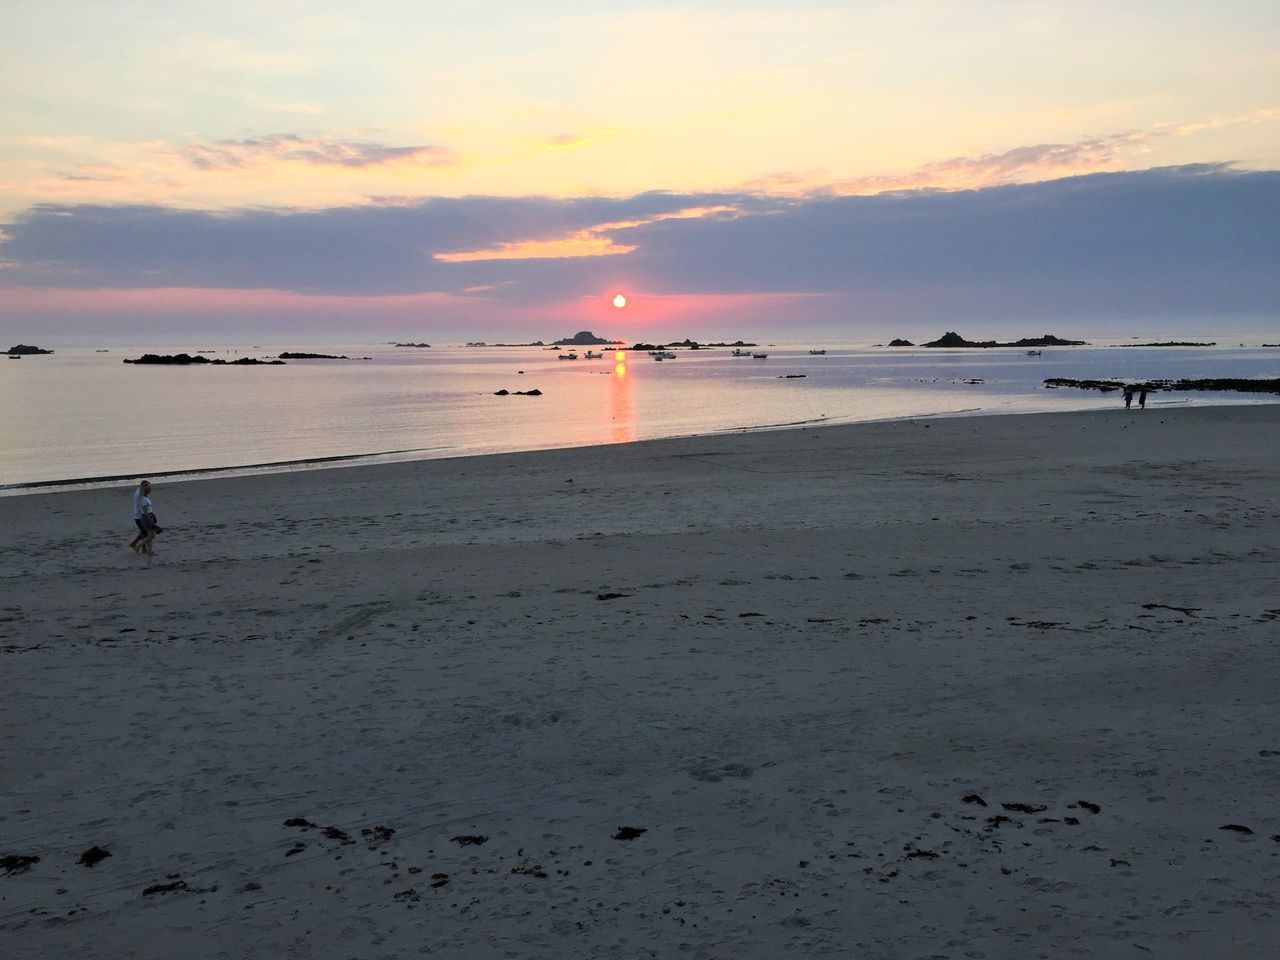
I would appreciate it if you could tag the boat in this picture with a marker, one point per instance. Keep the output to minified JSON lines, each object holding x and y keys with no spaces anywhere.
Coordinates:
{"x":759,"y":356}
{"x":817,"y":353}
{"x":593,"y":355}
{"x":662,"y":354}
{"x":741,"y":353}
{"x":1033,"y":353}
{"x":567,"y":356}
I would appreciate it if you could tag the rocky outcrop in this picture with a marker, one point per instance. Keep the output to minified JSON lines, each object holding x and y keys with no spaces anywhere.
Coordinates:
{"x":183,"y":359}
{"x":1220,"y":385}
{"x":584,"y":338}
{"x":898,"y":342}
{"x":311,"y":356}
{"x":1172,"y":343}
{"x":952,"y":339}
{"x":24,"y":349}
{"x":426,"y":344}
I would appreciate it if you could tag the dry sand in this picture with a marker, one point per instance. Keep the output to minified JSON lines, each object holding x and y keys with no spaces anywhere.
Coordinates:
{"x":788,"y":657}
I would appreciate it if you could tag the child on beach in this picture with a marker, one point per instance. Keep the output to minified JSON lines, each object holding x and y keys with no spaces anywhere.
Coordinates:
{"x":144,"y":518}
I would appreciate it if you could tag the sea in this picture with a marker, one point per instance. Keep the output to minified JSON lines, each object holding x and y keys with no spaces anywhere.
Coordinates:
{"x":80,"y":417}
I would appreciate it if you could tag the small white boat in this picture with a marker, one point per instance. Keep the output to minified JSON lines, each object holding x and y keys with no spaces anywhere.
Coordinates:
{"x":567,"y":356}
{"x":741,"y":353}
{"x":1033,"y":353}
{"x":817,"y":353}
{"x":592,"y":355}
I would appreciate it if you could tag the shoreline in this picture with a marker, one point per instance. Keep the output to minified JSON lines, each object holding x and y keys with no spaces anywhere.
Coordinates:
{"x":412,"y":707}
{"x":348,"y":460}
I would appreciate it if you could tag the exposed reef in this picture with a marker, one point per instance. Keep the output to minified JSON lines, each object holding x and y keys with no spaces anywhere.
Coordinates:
{"x":952,"y":339}
{"x":585,"y":338}
{"x":24,"y":349}
{"x":1221,"y":385}
{"x":183,"y":359}
{"x":1171,"y":343}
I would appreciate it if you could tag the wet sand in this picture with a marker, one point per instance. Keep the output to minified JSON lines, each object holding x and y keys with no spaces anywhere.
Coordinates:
{"x":988,"y":687}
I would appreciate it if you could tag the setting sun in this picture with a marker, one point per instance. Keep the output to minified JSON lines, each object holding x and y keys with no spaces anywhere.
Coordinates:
{"x":619,"y":301}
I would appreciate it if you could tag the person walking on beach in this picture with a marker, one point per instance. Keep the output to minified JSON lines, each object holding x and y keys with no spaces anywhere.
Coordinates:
{"x":1128,"y":397}
{"x":144,"y":518}
{"x":1142,"y":399}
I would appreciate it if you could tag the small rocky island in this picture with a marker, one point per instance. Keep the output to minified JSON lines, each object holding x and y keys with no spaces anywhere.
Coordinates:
{"x":414,"y":344}
{"x":952,"y":339}
{"x":183,"y":359}
{"x":585,"y":338}
{"x":24,"y":350}
{"x":311,"y":356}
{"x":899,"y":342}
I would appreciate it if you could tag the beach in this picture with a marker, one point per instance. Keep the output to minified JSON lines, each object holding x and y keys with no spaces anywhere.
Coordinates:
{"x":989,"y":687}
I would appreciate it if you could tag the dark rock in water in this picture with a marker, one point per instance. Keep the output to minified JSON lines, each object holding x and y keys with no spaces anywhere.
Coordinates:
{"x":1106,"y":386}
{"x":1220,"y":385}
{"x":333,"y":833}
{"x":899,"y":342}
{"x":535,"y":392}
{"x":469,"y":840}
{"x":299,"y":822}
{"x":93,"y":855}
{"x":17,"y":863}
{"x":584,"y":338}
{"x":412,"y":344}
{"x":793,"y":376}
{"x":183,"y":359}
{"x":501,"y":393}
{"x":1172,"y":343}
{"x":974,"y":798}
{"x":311,"y":356}
{"x":629,"y":833}
{"x":24,"y":349}
{"x":953,"y":339}
{"x":1235,"y":827}
{"x":1091,"y":807}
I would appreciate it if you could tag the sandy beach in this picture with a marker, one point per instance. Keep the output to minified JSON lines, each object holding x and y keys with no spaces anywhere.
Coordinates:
{"x":964,"y":688}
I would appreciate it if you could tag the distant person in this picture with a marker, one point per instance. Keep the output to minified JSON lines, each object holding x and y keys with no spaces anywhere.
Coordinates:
{"x":1142,"y":399}
{"x":144,"y":519}
{"x":1128,"y":397}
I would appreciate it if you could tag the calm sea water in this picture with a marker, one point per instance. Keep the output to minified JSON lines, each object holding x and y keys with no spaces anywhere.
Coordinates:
{"x":80,"y":414}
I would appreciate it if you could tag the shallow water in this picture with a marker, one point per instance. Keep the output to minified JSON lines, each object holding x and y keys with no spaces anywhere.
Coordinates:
{"x":79,"y":413}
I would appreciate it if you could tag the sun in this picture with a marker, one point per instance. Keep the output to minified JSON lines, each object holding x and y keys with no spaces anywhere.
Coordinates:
{"x":619,"y":301}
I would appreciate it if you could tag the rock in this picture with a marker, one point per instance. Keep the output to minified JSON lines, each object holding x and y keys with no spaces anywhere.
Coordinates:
{"x":629,"y":833}
{"x":311,"y":356}
{"x":584,"y":338}
{"x":469,"y":840}
{"x":183,"y":359}
{"x":17,"y":863}
{"x":20,"y":349}
{"x":953,"y":339}
{"x":418,"y":344}
{"x":898,"y":342}
{"x":93,"y":855}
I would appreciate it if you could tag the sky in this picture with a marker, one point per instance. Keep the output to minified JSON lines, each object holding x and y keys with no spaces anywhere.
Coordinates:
{"x":494,"y":171}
